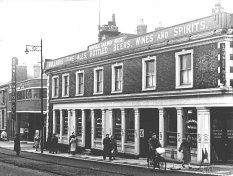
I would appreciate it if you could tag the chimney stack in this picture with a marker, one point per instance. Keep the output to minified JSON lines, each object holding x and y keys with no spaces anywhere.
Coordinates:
{"x":141,"y":28}
{"x":218,"y":7}
{"x":113,"y":20}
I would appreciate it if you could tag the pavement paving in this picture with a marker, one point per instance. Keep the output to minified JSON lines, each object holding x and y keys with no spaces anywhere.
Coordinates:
{"x":220,"y":170}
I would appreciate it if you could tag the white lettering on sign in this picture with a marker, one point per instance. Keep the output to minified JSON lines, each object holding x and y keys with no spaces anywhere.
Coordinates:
{"x":144,"y":39}
{"x":189,"y":28}
{"x":120,"y":46}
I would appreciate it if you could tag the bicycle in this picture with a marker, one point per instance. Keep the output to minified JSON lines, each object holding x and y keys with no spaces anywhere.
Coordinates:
{"x":158,"y":161}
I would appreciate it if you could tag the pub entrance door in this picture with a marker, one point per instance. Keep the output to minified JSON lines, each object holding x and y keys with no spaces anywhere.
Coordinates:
{"x":149,"y":122}
{"x":222,"y":135}
{"x":88,"y":129}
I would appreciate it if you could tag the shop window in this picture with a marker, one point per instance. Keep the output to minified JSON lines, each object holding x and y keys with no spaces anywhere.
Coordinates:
{"x":79,"y":82}
{"x":98,"y":80}
{"x":117,"y":77}
{"x":36,"y":93}
{"x":57,"y":130}
{"x":191,"y":124}
{"x":129,"y":123}
{"x":78,"y":123}
{"x":55,"y":85}
{"x":149,"y":73}
{"x":3,"y":119}
{"x":117,"y":124}
{"x":65,"y":85}
{"x":28,"y":94}
{"x":171,"y":124}
{"x":184,"y":69}
{"x":65,"y":122}
{"x":98,"y":124}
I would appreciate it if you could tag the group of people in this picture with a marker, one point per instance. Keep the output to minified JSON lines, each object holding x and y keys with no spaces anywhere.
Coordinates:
{"x":185,"y":147}
{"x":52,"y":143}
{"x":110,"y":147}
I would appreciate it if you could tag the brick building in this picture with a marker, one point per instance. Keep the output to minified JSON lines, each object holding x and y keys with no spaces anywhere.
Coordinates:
{"x":174,"y":81}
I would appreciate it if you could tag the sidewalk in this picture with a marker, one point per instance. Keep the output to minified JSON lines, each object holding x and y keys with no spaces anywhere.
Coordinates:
{"x":141,"y":162}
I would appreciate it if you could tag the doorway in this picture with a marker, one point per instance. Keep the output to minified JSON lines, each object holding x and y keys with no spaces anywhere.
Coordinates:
{"x":149,"y":122}
{"x":222,"y":135}
{"x":88,"y":129}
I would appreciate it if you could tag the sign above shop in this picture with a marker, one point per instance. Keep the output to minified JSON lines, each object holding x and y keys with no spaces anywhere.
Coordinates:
{"x":213,"y":22}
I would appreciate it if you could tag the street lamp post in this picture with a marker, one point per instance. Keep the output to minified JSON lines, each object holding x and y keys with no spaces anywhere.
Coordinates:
{"x":39,"y":48}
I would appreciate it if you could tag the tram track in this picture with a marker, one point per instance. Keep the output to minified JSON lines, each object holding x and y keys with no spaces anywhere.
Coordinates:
{"x":51,"y":164}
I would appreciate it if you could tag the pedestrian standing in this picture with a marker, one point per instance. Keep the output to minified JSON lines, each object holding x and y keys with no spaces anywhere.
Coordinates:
{"x":17,"y":144}
{"x":107,"y":147}
{"x":37,"y":141}
{"x":113,"y":148}
{"x":71,"y":136}
{"x":186,"y":146}
{"x":73,"y":144}
{"x":54,"y":143}
{"x":49,"y":142}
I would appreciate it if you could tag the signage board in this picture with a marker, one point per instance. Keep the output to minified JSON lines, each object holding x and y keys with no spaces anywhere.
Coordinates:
{"x":121,"y":44}
{"x":13,"y":87}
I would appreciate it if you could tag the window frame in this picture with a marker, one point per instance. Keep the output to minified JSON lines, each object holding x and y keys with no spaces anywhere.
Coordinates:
{"x":144,"y":73}
{"x":95,"y":80}
{"x":77,"y":83}
{"x":178,"y":71}
{"x":114,"y":78}
{"x":64,"y":86}
{"x":53,"y":86}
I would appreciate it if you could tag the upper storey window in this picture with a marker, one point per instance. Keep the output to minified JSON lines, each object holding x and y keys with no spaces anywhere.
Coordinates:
{"x":79,"y":82}
{"x":184,"y":69}
{"x":55,"y":88}
{"x":117,"y":78}
{"x":149,"y":73}
{"x":65,"y":85}
{"x":98,"y":80}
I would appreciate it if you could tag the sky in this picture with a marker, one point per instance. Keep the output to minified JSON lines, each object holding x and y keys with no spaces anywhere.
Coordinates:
{"x":70,"y":26}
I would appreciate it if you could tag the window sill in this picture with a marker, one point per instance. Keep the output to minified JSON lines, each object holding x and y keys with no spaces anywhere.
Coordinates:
{"x":116,"y":92}
{"x":79,"y":95}
{"x":98,"y":93}
{"x":65,"y":95}
{"x":148,"y":89}
{"x":184,"y":86}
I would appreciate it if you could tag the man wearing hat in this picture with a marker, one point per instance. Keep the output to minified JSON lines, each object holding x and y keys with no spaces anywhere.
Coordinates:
{"x":153,"y":145}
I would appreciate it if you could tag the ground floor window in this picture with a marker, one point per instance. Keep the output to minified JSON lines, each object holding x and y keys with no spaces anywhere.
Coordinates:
{"x":65,"y":122}
{"x":129,"y":124}
{"x":117,"y":124}
{"x":57,"y":114}
{"x":98,"y":124}
{"x":191,"y":124}
{"x":171,"y":127}
{"x":78,"y":114}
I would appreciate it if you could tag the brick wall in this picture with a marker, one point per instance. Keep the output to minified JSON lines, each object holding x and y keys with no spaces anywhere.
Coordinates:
{"x":205,"y":64}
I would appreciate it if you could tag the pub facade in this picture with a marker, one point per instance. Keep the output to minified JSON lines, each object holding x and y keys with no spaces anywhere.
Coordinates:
{"x":174,"y":82}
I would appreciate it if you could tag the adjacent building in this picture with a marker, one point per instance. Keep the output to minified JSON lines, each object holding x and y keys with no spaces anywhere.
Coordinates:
{"x":174,"y":81}
{"x":3,"y":107}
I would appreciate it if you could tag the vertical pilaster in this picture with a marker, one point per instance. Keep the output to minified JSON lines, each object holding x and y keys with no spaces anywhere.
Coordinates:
{"x":69,"y":124}
{"x":137,"y":128}
{"x":123,"y":130}
{"x":92,"y":128}
{"x":203,"y":132}
{"x":61,"y":125}
{"x":103,"y":123}
{"x":54,"y":121}
{"x":74,"y":122}
{"x":161,"y":126}
{"x":110,"y":122}
{"x":180,"y":131}
{"x":84,"y":127}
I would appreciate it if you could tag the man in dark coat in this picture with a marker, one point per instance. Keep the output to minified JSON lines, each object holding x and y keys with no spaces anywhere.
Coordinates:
{"x":153,"y":143}
{"x":54,"y":142}
{"x":17,"y":144}
{"x":186,"y":146}
{"x":107,"y":147}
